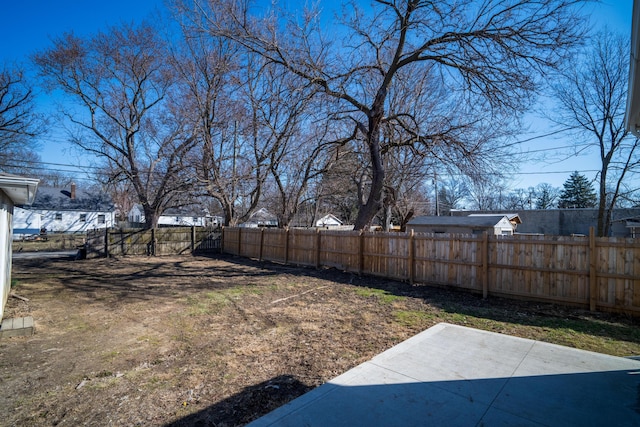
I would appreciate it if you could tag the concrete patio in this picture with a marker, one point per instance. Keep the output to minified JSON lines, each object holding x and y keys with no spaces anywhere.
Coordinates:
{"x":450,"y":375}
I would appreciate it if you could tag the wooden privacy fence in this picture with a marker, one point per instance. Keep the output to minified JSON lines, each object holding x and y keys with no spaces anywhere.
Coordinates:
{"x":599,"y":273}
{"x":161,"y":241}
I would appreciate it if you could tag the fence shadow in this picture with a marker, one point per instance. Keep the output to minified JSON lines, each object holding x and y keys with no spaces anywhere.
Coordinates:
{"x":459,"y":303}
{"x":251,"y":403}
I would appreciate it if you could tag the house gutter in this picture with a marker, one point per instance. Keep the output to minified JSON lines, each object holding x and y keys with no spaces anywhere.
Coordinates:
{"x":19,"y":189}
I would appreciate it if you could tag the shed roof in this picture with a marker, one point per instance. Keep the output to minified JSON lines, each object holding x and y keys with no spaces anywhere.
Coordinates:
{"x":20,"y":189}
{"x":513,"y":217}
{"x":458,"y":221}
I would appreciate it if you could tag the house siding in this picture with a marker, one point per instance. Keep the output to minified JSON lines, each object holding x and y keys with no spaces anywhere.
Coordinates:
{"x":61,"y":221}
{"x":6,"y":214}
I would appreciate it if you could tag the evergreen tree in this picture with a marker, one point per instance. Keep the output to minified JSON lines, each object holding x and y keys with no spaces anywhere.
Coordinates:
{"x":577,"y":193}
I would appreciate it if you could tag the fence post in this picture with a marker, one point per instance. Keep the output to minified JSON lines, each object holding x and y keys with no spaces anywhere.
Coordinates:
{"x":318,"y":242}
{"x":261,"y":243}
{"x":239,"y":241}
{"x":286,"y":245}
{"x":193,"y":238}
{"x":485,"y":264}
{"x":222,"y":239}
{"x":412,"y":257}
{"x":153,"y":241}
{"x":593,"y":280}
{"x":360,"y":252}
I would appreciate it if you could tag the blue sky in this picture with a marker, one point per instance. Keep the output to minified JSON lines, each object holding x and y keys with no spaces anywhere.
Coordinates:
{"x":29,"y":25}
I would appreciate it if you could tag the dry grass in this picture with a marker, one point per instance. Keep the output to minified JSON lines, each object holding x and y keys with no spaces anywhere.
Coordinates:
{"x":221,"y":341}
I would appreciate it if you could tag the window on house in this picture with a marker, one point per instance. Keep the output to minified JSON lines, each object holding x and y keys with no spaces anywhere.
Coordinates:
{"x":83,"y":217}
{"x":58,"y":217}
{"x":101,"y":219}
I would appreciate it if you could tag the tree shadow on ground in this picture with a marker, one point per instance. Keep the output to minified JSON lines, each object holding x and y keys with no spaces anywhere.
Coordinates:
{"x":156,"y":277}
{"x":456,"y":303}
{"x":251,"y":403}
{"x":149,"y":281}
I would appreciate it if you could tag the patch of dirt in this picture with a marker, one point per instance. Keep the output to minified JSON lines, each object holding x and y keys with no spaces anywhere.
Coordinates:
{"x":181,"y":341}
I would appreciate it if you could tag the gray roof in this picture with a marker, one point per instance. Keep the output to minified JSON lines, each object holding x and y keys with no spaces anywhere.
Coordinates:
{"x":191,"y":210}
{"x":457,"y":221}
{"x":59,"y":199}
{"x":262,"y":215}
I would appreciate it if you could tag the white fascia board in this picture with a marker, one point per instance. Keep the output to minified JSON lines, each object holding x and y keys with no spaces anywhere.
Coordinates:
{"x":632,"y":114}
{"x":19,"y":189}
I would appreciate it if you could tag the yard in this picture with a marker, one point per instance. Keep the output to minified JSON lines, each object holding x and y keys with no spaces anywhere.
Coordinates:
{"x":224,"y":340}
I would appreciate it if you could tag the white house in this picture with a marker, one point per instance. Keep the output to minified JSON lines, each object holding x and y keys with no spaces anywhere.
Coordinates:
{"x":59,"y":210}
{"x":261,"y":218}
{"x":186,"y":216}
{"x":13,"y":190}
{"x":328,"y":220}
{"x":492,"y":224}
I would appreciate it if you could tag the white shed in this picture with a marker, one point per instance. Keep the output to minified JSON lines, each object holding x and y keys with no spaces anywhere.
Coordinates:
{"x":328,"y":220}
{"x":14,"y":190}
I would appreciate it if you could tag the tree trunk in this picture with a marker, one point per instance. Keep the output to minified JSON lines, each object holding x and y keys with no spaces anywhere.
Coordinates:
{"x":603,"y":218}
{"x":151,"y":218}
{"x":374,"y":201}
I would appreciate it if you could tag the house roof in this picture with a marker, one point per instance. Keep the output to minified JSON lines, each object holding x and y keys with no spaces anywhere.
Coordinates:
{"x":329,"y":217}
{"x":458,"y":221}
{"x":59,"y":199}
{"x":20,"y":189}
{"x":192,"y":211}
{"x":513,"y":217}
{"x":262,"y":215}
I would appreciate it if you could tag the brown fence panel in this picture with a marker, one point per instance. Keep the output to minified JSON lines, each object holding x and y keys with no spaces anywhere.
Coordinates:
{"x":340,"y":249}
{"x":250,"y":242}
{"x":599,"y":273}
{"x":552,"y":268}
{"x":447,"y":259}
{"x":386,"y":255}
{"x":302,"y":247}
{"x":162,"y":241}
{"x":618,"y":273}
{"x":231,"y":240}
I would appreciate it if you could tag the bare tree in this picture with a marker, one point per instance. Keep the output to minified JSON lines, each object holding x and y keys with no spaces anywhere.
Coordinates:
{"x":209,"y":74}
{"x":546,"y":196}
{"x":451,"y":193}
{"x":125,"y":111}
{"x":19,"y":121}
{"x":592,"y":100}
{"x":491,"y":50}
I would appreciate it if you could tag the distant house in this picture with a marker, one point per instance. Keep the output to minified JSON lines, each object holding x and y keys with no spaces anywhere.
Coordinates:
{"x":261,"y":218}
{"x":566,"y":222}
{"x":14,"y":190}
{"x":186,"y":216}
{"x":492,"y":224}
{"x":328,"y":220}
{"x":631,"y":224}
{"x":59,"y":210}
{"x":514,"y":218}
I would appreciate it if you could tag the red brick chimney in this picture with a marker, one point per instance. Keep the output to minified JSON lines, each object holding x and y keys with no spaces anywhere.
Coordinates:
{"x":73,"y":190}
